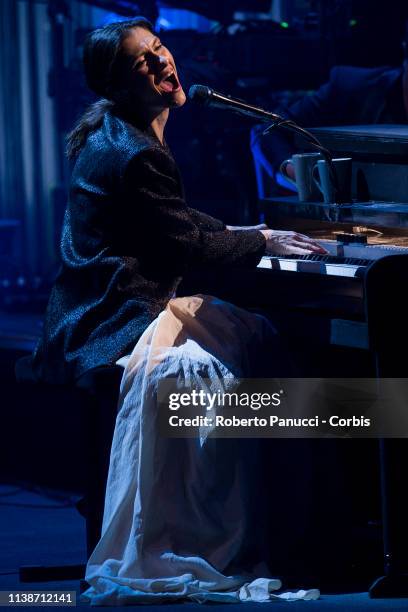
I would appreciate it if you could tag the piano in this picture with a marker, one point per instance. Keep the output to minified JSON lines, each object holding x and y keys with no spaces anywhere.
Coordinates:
{"x":364,"y":308}
{"x":345,"y":304}
{"x":344,"y":314}
{"x":342,"y":259}
{"x":357,"y":235}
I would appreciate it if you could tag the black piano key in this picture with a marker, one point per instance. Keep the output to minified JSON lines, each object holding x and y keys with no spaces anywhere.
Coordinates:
{"x":353,"y":261}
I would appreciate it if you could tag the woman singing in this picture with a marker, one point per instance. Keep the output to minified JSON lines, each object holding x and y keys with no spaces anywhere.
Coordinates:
{"x":176,"y":510}
{"x":128,"y":234}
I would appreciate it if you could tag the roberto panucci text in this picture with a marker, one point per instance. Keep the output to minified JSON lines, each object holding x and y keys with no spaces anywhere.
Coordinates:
{"x":271,"y":421}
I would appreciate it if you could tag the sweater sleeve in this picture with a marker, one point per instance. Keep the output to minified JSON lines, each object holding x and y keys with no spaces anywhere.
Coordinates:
{"x":172,"y":233}
{"x":206,"y":222}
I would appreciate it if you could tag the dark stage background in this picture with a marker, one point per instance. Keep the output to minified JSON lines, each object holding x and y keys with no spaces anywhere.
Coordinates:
{"x":261,"y":60}
{"x":264,"y":52}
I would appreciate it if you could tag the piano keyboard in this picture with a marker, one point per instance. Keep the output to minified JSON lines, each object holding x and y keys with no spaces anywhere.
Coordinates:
{"x":293,"y":264}
{"x":342,"y":260}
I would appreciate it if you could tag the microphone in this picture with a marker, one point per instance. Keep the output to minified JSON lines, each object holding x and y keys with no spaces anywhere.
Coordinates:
{"x":201,"y":94}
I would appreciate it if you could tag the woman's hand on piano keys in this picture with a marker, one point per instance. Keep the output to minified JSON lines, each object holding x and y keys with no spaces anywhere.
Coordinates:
{"x":290,"y":243}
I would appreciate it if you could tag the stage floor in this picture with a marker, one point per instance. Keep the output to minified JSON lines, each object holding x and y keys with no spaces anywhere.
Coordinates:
{"x":36,"y":528}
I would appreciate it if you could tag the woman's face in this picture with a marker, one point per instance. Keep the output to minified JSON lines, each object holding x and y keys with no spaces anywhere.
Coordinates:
{"x":150,"y":72}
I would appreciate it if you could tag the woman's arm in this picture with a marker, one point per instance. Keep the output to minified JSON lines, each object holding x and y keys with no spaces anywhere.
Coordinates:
{"x":206,"y":222}
{"x":166,"y":230}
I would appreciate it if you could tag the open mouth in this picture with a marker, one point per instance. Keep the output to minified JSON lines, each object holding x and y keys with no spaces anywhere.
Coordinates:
{"x":170,"y":83}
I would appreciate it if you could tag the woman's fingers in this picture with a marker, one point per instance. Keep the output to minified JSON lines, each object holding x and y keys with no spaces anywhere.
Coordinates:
{"x":290,"y":249}
{"x":309,"y":243}
{"x":283,"y":237}
{"x":298,"y":248}
{"x":314,"y":246}
{"x":281,"y":243}
{"x":310,"y":248}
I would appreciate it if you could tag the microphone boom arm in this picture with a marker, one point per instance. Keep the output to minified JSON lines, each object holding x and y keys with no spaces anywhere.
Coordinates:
{"x":206,"y":96}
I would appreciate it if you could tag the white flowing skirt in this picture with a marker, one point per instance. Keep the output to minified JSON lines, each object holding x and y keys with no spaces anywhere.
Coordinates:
{"x":177,"y":511}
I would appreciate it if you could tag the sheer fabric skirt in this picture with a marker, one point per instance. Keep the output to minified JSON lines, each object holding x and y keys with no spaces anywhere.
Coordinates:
{"x":183,"y":517}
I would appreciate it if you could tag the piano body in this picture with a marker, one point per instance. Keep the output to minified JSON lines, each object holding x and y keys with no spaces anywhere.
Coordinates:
{"x":325,"y":298}
{"x":344,"y":314}
{"x":366,"y":305}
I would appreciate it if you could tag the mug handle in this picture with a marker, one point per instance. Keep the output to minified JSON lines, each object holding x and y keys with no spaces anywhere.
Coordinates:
{"x":282,"y":169}
{"x":316,"y":177}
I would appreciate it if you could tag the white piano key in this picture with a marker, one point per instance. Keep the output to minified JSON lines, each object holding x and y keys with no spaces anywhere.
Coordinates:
{"x":291,"y":265}
{"x":265,"y":263}
{"x":342,"y":270}
{"x":278,"y":263}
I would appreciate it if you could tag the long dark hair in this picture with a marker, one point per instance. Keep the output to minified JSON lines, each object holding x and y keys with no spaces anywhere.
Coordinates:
{"x":102,"y":50}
